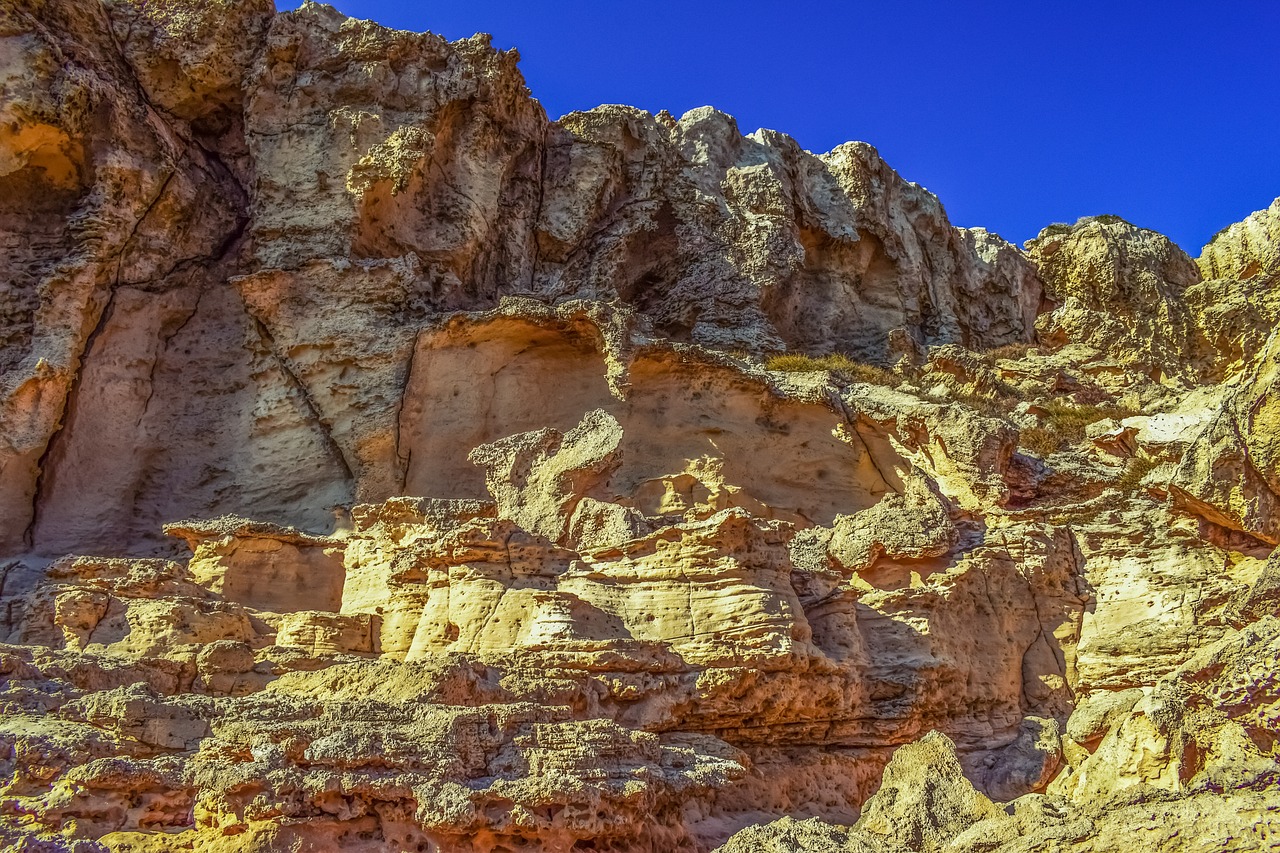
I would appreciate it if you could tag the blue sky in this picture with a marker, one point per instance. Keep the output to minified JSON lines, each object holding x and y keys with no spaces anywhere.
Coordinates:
{"x":1017,"y":114}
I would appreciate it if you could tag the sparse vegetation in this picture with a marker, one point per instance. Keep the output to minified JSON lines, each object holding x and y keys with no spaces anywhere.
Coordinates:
{"x":1058,"y":228}
{"x":992,"y":407}
{"x":1138,"y":468}
{"x":1040,"y":441}
{"x":1096,"y":396}
{"x":1110,"y":219}
{"x":1223,"y":230}
{"x":987,"y":395}
{"x":837,"y":363}
{"x":1069,"y":422}
{"x":1012,"y":352}
{"x":1064,"y":424}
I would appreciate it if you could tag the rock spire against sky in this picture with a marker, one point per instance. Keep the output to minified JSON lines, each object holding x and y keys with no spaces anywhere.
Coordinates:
{"x":1015,"y":114}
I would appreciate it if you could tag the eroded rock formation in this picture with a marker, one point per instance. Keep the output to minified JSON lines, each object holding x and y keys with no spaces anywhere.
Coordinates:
{"x":384,"y":466}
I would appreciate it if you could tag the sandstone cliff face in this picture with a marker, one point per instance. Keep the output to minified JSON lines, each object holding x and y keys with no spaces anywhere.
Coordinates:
{"x":356,"y":183}
{"x":1118,"y":288}
{"x":1231,"y":473}
{"x":384,"y":466}
{"x":1236,"y":305}
{"x":437,"y":153}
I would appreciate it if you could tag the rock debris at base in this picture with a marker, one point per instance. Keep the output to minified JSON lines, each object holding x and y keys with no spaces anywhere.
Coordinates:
{"x":387,"y":467}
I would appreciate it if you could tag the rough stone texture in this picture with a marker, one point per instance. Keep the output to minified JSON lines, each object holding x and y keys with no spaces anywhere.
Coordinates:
{"x":539,"y":480}
{"x":788,"y":835}
{"x":432,"y":183}
{"x":1117,"y":288}
{"x":924,"y":799}
{"x":1237,"y":306}
{"x":1245,"y":251}
{"x":386,"y":467}
{"x":910,"y":524}
{"x":114,"y":221}
{"x":1231,"y":473}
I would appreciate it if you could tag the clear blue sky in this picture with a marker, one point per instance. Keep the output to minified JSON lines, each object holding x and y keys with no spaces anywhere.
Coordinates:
{"x":1016,"y":114}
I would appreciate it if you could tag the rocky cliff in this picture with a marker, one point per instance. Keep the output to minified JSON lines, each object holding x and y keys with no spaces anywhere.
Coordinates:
{"x":384,"y":466}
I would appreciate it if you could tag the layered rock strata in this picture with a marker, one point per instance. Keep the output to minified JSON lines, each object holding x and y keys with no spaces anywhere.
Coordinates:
{"x":384,"y":466}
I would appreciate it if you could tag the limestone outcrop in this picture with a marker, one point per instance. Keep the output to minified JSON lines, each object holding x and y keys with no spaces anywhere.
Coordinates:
{"x":1245,"y":251}
{"x":1119,"y":289}
{"x":385,"y":466}
{"x":1237,"y":306}
{"x":1231,"y":473}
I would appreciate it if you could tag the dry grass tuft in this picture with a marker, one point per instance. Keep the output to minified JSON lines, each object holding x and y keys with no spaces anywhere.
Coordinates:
{"x":1064,"y":425}
{"x":1040,"y":441}
{"x":1011,"y":352}
{"x":1055,"y":229}
{"x":997,"y":407}
{"x":1071,"y":421}
{"x":1131,"y":479}
{"x":837,"y":363}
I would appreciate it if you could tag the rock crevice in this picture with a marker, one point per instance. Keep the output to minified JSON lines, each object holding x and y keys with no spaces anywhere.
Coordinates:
{"x":385,"y":466}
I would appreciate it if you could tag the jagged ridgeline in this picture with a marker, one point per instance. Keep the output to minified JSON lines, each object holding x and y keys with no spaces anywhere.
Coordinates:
{"x":386,"y":467}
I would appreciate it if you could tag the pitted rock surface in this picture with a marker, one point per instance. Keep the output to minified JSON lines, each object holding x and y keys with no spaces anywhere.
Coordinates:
{"x":386,"y":466}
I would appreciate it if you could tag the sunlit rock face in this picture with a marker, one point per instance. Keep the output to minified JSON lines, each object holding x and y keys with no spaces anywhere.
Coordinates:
{"x":384,"y":467}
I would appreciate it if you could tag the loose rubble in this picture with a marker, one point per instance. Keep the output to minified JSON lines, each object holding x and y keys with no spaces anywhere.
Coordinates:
{"x":385,"y":466}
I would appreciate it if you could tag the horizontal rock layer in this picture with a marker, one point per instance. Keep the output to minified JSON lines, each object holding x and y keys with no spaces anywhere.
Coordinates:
{"x":384,"y":466}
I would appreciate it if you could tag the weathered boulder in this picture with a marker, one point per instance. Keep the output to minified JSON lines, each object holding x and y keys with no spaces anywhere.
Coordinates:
{"x":539,"y":479}
{"x":924,"y":799}
{"x":912,"y":524}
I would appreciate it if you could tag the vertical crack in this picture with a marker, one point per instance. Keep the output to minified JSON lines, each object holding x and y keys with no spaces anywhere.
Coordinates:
{"x":137,"y":225}
{"x":403,"y":459}
{"x":56,"y":438}
{"x":536,"y":252}
{"x":853,"y":427}
{"x":161,"y":350}
{"x":313,"y":411}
